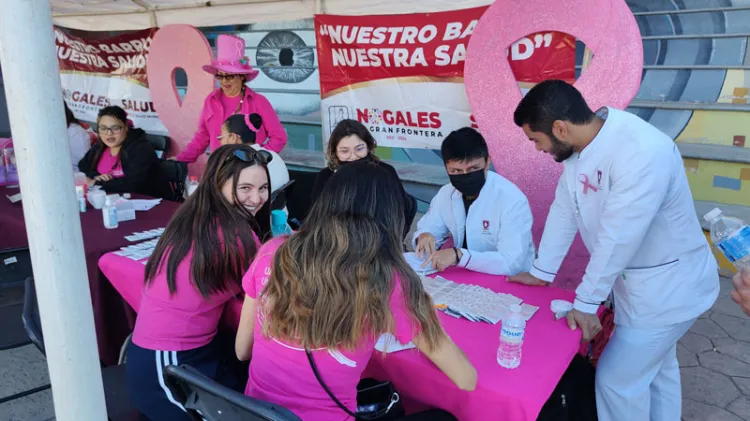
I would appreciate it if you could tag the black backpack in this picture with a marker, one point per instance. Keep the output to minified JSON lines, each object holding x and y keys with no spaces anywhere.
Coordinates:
{"x":574,"y":398}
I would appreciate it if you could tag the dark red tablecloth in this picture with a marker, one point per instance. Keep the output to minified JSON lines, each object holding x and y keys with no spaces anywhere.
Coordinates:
{"x":112,"y":320}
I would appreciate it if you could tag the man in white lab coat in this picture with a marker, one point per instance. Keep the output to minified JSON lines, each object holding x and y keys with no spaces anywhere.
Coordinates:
{"x":624,"y":188}
{"x":487,"y":216}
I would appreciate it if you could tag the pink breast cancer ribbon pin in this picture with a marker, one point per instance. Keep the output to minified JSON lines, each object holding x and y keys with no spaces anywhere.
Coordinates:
{"x":584,"y":179}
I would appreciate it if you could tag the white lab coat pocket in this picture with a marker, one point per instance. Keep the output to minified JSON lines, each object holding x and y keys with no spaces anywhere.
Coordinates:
{"x":645,"y":294}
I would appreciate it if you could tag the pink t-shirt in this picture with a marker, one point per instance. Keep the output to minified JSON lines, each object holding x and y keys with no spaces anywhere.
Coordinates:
{"x":107,"y":165}
{"x":280,"y":372}
{"x":229,"y":104}
{"x":182,"y":321}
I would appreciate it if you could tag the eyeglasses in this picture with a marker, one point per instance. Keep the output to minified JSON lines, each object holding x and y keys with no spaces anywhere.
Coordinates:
{"x":113,"y":129}
{"x":226,"y":77}
{"x":250,"y":156}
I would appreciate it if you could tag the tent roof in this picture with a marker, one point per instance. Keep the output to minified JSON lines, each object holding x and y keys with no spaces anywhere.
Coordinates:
{"x":116,"y":15}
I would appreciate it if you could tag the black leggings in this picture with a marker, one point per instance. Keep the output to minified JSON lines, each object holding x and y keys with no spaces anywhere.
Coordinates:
{"x":431,"y":415}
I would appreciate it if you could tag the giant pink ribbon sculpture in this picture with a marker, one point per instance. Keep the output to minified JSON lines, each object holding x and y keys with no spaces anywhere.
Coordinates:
{"x":173,"y":47}
{"x":609,"y":29}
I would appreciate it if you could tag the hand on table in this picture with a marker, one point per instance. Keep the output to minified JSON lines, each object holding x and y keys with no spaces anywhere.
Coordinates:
{"x":425,"y":245}
{"x":527,"y":279}
{"x":103,"y":177}
{"x":741,"y":293}
{"x":442,"y":259}
{"x":174,"y":158}
{"x":589,"y":323}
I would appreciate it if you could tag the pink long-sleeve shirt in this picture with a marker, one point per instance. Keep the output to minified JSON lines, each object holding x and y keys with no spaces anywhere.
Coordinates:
{"x":271,"y":134}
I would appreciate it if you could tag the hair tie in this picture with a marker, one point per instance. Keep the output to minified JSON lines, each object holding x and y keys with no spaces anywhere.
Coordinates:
{"x":249,"y":124}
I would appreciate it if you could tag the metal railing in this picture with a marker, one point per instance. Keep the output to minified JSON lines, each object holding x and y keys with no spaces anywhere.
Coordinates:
{"x":691,"y":106}
{"x":693,"y":36}
{"x":691,"y":67}
{"x":687,"y":11}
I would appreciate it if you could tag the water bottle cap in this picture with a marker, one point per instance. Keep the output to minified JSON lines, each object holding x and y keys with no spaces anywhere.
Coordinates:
{"x":278,"y":217}
{"x":515,"y":308}
{"x":712,"y":214}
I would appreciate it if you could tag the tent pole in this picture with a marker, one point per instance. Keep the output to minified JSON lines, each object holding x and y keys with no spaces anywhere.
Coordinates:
{"x":35,"y":107}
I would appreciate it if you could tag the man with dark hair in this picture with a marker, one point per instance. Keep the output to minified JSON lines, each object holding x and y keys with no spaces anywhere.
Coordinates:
{"x":624,"y":188}
{"x":487,"y":216}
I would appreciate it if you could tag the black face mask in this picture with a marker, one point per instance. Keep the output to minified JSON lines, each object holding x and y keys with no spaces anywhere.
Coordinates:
{"x":469,"y":184}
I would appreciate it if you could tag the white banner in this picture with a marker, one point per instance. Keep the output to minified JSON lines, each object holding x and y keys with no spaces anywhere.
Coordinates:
{"x":86,"y":94}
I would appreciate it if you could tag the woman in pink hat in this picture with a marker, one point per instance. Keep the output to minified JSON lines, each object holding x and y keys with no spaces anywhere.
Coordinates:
{"x":232,"y":70}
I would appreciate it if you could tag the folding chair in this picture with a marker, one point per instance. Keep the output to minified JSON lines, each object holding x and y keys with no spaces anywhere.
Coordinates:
{"x":205,"y":399}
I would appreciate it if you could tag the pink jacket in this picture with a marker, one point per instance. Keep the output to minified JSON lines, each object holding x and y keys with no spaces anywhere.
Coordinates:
{"x":271,"y":134}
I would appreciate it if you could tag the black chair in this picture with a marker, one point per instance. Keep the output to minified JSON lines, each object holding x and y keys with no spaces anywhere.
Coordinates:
{"x":299,"y":196}
{"x":205,"y":399}
{"x":175,"y":172}
{"x":278,"y":198}
{"x":114,"y":378}
{"x":15,"y":267}
{"x":161,"y":144}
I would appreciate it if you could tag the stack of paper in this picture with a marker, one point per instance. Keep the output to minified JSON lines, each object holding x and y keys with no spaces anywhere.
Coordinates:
{"x":145,"y":235}
{"x":138,"y":251}
{"x":472,"y":301}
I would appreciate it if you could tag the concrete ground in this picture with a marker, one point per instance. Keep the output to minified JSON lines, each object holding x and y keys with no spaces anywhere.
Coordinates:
{"x":714,"y":359}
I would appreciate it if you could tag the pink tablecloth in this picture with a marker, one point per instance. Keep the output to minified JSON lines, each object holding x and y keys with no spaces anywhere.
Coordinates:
{"x":501,"y":394}
{"x":127,"y":276}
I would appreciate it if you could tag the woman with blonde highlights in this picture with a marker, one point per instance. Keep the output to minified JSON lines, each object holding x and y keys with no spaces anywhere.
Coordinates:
{"x":333,"y":288}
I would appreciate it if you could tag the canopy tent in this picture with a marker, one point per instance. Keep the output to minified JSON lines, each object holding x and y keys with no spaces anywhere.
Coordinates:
{"x":118,"y":15}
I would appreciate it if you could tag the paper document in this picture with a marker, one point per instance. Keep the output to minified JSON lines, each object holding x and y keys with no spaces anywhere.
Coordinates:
{"x":388,"y":344}
{"x":415,"y":262}
{"x":144,"y":204}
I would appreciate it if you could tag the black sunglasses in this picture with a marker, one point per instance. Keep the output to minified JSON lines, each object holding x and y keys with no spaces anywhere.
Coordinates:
{"x":221,"y":77}
{"x":250,"y":156}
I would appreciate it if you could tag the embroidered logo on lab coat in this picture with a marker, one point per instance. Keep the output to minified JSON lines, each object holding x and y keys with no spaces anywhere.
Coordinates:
{"x":486,"y":227}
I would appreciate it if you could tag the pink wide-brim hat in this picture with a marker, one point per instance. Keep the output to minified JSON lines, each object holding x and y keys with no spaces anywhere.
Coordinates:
{"x":230,"y":58}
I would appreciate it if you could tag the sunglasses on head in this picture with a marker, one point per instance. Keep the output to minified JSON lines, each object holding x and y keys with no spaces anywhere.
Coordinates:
{"x":250,"y":156}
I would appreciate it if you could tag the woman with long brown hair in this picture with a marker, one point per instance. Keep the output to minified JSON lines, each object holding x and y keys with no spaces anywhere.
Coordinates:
{"x":333,"y":288}
{"x":196,"y":268}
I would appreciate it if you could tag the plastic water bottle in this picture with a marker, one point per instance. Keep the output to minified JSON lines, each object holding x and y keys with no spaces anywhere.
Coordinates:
{"x":279,"y":225}
{"x":192,"y":185}
{"x":109,"y":213}
{"x":511,"y":338}
{"x":731,"y":236}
